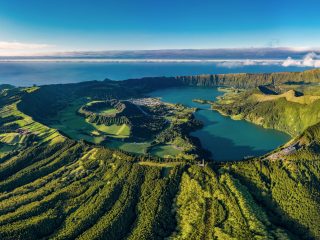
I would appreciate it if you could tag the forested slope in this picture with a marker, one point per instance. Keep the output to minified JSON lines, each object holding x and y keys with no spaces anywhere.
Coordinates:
{"x":71,"y":190}
{"x":53,"y":187}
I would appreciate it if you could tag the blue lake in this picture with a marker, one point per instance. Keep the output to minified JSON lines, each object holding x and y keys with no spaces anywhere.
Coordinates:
{"x":225,"y":138}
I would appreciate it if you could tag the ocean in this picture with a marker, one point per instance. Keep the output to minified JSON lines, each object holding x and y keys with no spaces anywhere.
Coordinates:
{"x":42,"y":73}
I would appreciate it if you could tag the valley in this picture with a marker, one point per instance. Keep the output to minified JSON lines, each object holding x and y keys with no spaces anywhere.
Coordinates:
{"x":112,"y":160}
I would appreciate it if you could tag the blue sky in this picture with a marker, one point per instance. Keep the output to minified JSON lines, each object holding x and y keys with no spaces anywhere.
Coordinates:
{"x":65,"y":25}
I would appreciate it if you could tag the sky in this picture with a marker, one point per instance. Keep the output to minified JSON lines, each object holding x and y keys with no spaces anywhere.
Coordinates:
{"x":31,"y":26}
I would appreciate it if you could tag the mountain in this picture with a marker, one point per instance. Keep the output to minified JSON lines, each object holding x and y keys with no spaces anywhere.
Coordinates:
{"x":57,"y":181}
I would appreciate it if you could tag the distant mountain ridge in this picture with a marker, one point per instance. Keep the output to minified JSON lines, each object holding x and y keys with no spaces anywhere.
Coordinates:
{"x":238,"y":80}
{"x":249,"y":80}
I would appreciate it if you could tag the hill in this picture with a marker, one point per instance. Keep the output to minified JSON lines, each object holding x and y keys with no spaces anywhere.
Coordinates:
{"x":56,"y":186}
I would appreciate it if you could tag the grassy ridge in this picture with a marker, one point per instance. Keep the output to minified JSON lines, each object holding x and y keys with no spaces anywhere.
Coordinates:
{"x":283,"y":112}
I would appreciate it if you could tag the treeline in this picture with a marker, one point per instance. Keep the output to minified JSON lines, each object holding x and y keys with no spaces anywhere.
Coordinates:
{"x":107,"y":120}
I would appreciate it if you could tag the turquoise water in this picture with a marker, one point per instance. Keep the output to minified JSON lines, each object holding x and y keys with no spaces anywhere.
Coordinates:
{"x":225,"y":138}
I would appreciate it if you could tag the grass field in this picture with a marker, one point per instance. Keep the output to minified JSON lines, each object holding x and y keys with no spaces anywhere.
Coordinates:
{"x":73,"y":124}
{"x":289,"y":96}
{"x":139,"y":148}
{"x":108,"y":111}
{"x":308,"y":89}
{"x":105,"y":110}
{"x":26,"y":123}
{"x":165,"y":151}
{"x":14,"y":141}
{"x":77,"y":127}
{"x":116,"y":131}
{"x":12,"y":138}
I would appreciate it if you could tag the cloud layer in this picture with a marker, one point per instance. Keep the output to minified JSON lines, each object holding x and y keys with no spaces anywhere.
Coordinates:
{"x":228,"y":58}
{"x":248,"y":62}
{"x":309,"y":60}
{"x":22,"y":49}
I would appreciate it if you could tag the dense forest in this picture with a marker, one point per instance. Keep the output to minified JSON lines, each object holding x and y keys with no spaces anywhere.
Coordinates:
{"x":54,"y":186}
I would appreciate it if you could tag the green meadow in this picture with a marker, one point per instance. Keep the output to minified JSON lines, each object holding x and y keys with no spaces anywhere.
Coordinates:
{"x":77,"y":127}
{"x":132,"y":147}
{"x":165,"y":151}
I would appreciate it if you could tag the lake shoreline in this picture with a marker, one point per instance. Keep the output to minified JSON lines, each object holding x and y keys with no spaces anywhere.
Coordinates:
{"x":210,"y":134}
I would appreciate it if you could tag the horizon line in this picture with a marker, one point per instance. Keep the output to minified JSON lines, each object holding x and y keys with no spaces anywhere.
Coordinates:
{"x":17,"y":53}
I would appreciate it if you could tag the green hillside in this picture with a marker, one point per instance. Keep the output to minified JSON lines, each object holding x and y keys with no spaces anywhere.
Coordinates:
{"x":284,"y":112}
{"x":66,"y":174}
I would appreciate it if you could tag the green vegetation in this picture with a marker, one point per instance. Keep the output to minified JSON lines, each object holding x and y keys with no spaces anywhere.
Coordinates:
{"x":101,"y":107}
{"x":114,"y":130}
{"x":150,"y":184}
{"x":108,"y":111}
{"x":139,"y":148}
{"x":73,"y":125}
{"x":166,"y":151}
{"x":286,"y":112}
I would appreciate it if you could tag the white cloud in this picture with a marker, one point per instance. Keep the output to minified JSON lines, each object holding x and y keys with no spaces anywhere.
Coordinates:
{"x":230,"y":64}
{"x":247,"y":62}
{"x":309,"y":60}
{"x":21,"y":46}
{"x":238,"y":63}
{"x":23,"y":49}
{"x":290,"y":62}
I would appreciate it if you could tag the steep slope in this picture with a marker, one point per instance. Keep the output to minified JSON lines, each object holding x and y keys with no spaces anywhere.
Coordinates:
{"x":284,"y":112}
{"x":249,"y":80}
{"x":53,"y":187}
{"x":71,"y":190}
